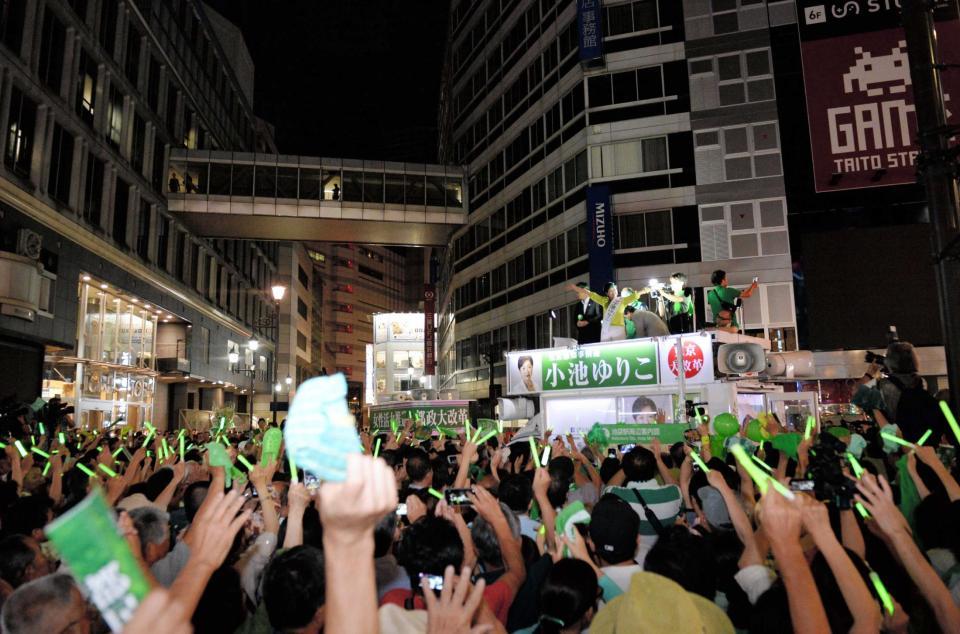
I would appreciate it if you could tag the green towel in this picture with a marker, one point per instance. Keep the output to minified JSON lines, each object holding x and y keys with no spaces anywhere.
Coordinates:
{"x":909,"y":496}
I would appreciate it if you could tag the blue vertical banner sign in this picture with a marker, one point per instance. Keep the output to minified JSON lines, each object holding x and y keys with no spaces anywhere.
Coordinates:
{"x":600,"y":238}
{"x":591,"y":34}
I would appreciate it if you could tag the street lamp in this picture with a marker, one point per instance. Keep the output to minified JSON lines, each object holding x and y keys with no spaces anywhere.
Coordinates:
{"x":233,"y":356}
{"x":288,"y":381}
{"x":278,"y":291}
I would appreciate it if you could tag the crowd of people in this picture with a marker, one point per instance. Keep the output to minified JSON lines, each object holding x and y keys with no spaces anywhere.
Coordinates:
{"x":844,"y":530}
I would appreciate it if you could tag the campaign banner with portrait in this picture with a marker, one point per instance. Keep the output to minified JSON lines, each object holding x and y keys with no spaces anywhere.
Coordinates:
{"x":859,"y":93}
{"x":631,"y":363}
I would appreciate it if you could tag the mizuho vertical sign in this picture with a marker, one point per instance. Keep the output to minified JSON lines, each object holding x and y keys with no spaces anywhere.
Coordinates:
{"x":600,"y":228}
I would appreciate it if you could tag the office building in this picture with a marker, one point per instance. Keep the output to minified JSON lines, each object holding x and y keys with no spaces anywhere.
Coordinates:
{"x":108,"y":298}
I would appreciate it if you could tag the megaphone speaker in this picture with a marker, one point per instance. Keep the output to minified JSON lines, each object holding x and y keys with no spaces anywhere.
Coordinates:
{"x":791,"y":364}
{"x":741,"y":358}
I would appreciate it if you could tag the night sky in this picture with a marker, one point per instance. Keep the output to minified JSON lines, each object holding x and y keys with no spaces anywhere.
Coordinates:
{"x":347,"y":78}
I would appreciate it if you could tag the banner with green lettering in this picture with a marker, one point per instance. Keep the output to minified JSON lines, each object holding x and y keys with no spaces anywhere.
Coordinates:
{"x":626,"y":434}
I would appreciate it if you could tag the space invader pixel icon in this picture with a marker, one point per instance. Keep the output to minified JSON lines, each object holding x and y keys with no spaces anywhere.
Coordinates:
{"x":874,"y":74}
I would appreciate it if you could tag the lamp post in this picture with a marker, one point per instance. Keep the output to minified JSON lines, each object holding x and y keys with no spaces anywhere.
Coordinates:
{"x":278,"y":291}
{"x":251,"y":370}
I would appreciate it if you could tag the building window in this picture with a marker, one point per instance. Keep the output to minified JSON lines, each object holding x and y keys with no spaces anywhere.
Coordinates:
{"x":641,"y":84}
{"x":115,"y":118}
{"x":61,"y":165}
{"x":132,"y":66}
{"x":143,"y":231}
{"x":93,"y":191}
{"x":153,"y":85}
{"x":52,"y":43}
{"x":86,"y":87}
{"x":121,"y":202}
{"x":139,"y":143}
{"x":163,"y":241}
{"x":302,"y":308}
{"x":12,"y":14}
{"x":751,"y":151}
{"x":20,"y":133}
{"x":301,"y":341}
{"x":647,"y":229}
{"x":630,"y":17}
{"x":729,"y":80}
{"x":629,"y":157}
{"x":744,"y":229}
{"x":108,"y":25}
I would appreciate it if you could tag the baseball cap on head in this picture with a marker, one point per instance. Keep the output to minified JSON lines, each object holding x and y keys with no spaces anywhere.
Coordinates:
{"x":614,"y":527}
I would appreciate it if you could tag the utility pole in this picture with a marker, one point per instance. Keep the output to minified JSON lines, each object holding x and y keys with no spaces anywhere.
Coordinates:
{"x":937,"y":167}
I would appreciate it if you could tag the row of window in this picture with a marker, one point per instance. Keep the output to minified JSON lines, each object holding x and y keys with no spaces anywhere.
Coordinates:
{"x":529,"y":146}
{"x":737,"y":153}
{"x":543,"y":73}
{"x":562,"y":180}
{"x":271,"y":181}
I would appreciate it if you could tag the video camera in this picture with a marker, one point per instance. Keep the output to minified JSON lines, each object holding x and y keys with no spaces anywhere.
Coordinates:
{"x":879,"y":359}
{"x":830,"y":484}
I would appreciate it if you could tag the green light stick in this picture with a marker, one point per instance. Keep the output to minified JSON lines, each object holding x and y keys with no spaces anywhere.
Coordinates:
{"x":500,"y":425}
{"x":860,"y":509}
{"x":293,"y":468}
{"x":885,"y":597}
{"x":85,"y":469}
{"x":545,"y":458}
{"x":110,"y":472}
{"x":435,"y":493}
{"x":760,"y":463}
{"x":244,"y":462}
{"x":700,"y":463}
{"x":376,"y":448}
{"x":923,"y":438}
{"x":23,"y":452}
{"x":166,"y":448}
{"x":759,"y":476}
{"x":225,"y":440}
{"x":182,"y":459}
{"x":62,"y":438}
{"x":117,"y":452}
{"x":855,"y":465}
{"x":146,"y":441}
{"x":3,"y":445}
{"x":43,"y":431}
{"x":40,"y":452}
{"x":487,"y":437}
{"x":950,"y":419}
{"x":33,"y":439}
{"x":534,"y":453}
{"x":467,"y":428}
{"x":46,"y":469}
{"x":809,"y":430}
{"x":898,"y":440}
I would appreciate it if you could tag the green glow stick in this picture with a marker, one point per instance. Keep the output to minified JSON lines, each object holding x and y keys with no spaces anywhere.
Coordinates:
{"x":476,"y":436}
{"x":885,"y":597}
{"x":467,"y":428}
{"x":3,"y":445}
{"x":46,"y":469}
{"x":40,"y":452}
{"x":860,"y":509}
{"x":110,"y":472}
{"x":808,"y":432}
{"x":62,"y":438}
{"x":500,"y":425}
{"x":146,"y":441}
{"x":83,"y":467}
{"x":244,"y":462}
{"x":223,"y":422}
{"x":117,"y":452}
{"x":182,"y":459}
{"x":545,"y":458}
{"x":293,"y":468}
{"x":79,"y":444}
{"x":763,"y":480}
{"x":23,"y":452}
{"x":855,"y":465}
{"x":166,"y":448}
{"x":43,"y":431}
{"x":376,"y":448}
{"x":760,"y":463}
{"x":533,"y":452}
{"x":700,"y":463}
{"x":435,"y":493}
{"x":226,"y":441}
{"x":33,"y":439}
{"x":487,"y":437}
{"x":945,"y":408}
{"x":923,"y":438}
{"x":898,"y":440}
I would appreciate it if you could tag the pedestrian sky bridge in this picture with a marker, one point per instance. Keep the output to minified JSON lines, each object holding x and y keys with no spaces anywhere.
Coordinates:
{"x":280,"y":197}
